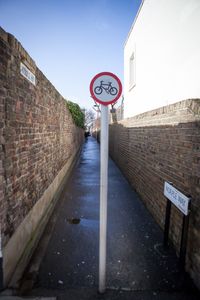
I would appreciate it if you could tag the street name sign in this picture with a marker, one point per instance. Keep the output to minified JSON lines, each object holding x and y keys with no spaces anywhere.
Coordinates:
{"x":105,"y":88}
{"x":27,"y":73}
{"x":177,"y":198}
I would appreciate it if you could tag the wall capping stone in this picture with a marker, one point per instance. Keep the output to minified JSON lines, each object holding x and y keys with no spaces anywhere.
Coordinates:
{"x":170,"y":114}
{"x":16,"y":46}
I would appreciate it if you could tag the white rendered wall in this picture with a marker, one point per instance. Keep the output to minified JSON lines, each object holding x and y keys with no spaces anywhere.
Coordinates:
{"x":166,"y":42}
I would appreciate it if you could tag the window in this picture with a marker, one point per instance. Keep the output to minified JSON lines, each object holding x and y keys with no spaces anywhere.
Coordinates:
{"x":132,"y":71}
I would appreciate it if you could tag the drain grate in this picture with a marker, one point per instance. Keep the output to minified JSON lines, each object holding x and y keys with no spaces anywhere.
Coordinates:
{"x":73,"y":221}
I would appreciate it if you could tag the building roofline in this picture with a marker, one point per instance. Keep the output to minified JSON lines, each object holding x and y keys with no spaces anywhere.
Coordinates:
{"x":133,"y":24}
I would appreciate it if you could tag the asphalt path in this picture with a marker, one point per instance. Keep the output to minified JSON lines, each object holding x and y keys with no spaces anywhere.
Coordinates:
{"x":137,"y":265}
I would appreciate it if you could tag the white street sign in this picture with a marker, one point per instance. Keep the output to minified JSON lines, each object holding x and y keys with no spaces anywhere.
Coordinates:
{"x":177,"y":198}
{"x":27,"y":73}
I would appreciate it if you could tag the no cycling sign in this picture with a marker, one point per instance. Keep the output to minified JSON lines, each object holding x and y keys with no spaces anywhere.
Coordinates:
{"x":105,"y":88}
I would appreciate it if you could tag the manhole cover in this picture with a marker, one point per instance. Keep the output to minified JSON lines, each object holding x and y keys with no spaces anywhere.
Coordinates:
{"x":73,"y":221}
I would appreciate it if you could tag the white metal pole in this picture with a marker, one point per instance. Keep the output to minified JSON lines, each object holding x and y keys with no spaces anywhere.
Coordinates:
{"x":103,"y":197}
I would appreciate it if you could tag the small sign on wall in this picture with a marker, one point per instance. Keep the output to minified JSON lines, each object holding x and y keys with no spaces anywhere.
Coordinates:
{"x":27,"y":73}
{"x":177,"y":198}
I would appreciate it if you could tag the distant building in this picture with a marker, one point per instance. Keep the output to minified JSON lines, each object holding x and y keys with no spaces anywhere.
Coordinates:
{"x":96,"y":125}
{"x":120,"y":110}
{"x":162,"y":55}
{"x":117,"y":112}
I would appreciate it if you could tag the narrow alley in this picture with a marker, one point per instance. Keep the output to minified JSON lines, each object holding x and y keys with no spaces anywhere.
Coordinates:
{"x":66,"y":267}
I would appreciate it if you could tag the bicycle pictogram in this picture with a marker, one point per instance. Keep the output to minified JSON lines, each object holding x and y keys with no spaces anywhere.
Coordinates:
{"x":107,"y":87}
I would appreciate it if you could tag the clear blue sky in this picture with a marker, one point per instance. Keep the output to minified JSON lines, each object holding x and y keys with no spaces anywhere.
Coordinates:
{"x":71,"y":40}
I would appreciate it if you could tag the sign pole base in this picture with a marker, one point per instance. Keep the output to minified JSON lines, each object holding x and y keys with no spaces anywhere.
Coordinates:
{"x":183,"y":246}
{"x":167,"y":223}
{"x":1,"y":263}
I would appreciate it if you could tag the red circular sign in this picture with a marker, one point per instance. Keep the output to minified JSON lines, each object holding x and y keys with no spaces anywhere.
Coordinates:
{"x":105,"y":88}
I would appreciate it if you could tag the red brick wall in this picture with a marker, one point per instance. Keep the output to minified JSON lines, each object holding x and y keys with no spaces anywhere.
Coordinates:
{"x":37,"y":135}
{"x":164,"y":145}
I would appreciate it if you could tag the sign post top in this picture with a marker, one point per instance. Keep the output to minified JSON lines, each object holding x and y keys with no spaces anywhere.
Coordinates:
{"x":105,"y":88}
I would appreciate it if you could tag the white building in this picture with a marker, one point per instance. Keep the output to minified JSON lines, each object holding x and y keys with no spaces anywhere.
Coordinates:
{"x":162,"y":55}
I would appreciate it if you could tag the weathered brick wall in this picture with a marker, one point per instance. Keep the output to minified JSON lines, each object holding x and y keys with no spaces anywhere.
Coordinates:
{"x":164,"y":145}
{"x":37,"y":135}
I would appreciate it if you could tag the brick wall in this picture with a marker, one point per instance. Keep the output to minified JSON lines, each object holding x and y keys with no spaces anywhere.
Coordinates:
{"x":37,"y":136}
{"x":164,"y":145}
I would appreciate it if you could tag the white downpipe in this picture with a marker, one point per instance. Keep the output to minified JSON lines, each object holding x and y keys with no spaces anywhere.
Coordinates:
{"x":103,"y":197}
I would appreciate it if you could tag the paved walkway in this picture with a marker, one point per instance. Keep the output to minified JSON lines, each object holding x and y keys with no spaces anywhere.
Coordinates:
{"x":137,"y":267}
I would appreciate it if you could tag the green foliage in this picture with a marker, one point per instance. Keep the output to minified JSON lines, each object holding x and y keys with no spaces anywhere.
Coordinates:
{"x":77,"y":114}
